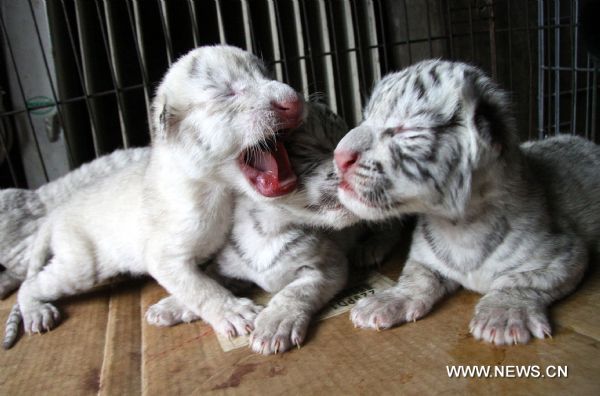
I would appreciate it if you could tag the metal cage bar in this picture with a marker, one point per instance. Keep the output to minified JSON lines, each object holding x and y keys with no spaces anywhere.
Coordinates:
{"x":334,"y":50}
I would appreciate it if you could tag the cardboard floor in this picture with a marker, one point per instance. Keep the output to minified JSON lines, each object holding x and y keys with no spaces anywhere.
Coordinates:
{"x":103,"y":346}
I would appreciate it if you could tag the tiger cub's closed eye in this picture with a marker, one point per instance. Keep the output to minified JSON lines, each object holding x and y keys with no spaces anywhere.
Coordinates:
{"x":403,"y":129}
{"x":230,"y":92}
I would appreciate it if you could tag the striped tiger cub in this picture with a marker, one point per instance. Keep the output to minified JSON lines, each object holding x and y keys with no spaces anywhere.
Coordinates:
{"x":514,"y":222}
{"x":287,"y":245}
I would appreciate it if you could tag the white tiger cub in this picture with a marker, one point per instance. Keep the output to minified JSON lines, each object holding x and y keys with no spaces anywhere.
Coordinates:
{"x":513,"y":222}
{"x":163,"y":214}
{"x":282,"y":244}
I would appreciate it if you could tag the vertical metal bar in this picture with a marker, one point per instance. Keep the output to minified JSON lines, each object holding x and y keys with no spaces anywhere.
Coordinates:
{"x":90,"y":108}
{"x":220,"y":24}
{"x":587,"y":96}
{"x":336,"y":55}
{"x":194,"y":22}
{"x":541,"y":51}
{"x":530,"y":126}
{"x":449,"y":30}
{"x":309,"y":47}
{"x":574,"y":22}
{"x":359,"y":49}
{"x":255,"y":49}
{"x":51,"y":82}
{"x":300,"y":45}
{"x":384,"y":45}
{"x":278,"y":66}
{"x":139,"y":48}
{"x":247,"y":25}
{"x":557,"y":67}
{"x":548,"y":68}
{"x":328,"y":60}
{"x":351,"y":58}
{"x":9,"y":161}
{"x":429,"y":29}
{"x":471,"y":32}
{"x":493,"y":49}
{"x":109,"y":49}
{"x":510,"y":32}
{"x":372,"y":42}
{"x":407,"y":31}
{"x":22,"y":91}
{"x":594,"y":100}
{"x":284,"y":59}
{"x":162,"y":10}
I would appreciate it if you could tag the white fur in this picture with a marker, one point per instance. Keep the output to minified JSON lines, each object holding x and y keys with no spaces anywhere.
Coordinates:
{"x":164,"y":214}
{"x":513,"y":222}
{"x":283,"y":245}
{"x":23,"y":211}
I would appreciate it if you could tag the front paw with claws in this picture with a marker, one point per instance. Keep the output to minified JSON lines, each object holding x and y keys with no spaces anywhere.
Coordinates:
{"x":169,"y":312}
{"x":278,"y":329}
{"x":41,"y":318}
{"x":502,"y":325}
{"x":387,"y":309}
{"x":232,"y":316}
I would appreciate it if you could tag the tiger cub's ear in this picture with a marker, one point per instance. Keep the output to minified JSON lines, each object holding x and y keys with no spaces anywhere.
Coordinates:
{"x":490,"y":112}
{"x":164,"y":120}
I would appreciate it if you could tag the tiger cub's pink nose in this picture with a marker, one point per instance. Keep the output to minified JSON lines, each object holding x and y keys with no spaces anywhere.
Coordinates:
{"x":290,"y":111}
{"x":344,"y":159}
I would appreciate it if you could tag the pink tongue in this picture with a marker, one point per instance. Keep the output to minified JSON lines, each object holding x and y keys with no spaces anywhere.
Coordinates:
{"x":265,"y":162}
{"x":271,"y":173}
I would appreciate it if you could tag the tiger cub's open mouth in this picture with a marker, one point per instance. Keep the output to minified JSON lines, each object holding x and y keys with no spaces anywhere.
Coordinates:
{"x":267,"y":167}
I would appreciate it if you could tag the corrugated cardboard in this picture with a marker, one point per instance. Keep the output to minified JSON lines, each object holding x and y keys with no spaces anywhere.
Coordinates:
{"x":104,"y":346}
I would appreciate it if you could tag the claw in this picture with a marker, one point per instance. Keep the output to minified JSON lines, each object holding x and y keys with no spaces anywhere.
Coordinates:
{"x":296,"y":342}
{"x":249,"y":328}
{"x":262,"y":347}
{"x":515,"y":336}
{"x":276,"y":347}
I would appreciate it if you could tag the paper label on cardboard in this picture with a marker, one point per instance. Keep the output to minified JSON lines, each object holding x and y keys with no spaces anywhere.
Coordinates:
{"x":343,"y":302}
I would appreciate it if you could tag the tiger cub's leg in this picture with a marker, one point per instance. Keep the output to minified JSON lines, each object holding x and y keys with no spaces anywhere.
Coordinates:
{"x":417,"y":290}
{"x":318,"y":277}
{"x":516,"y":306}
